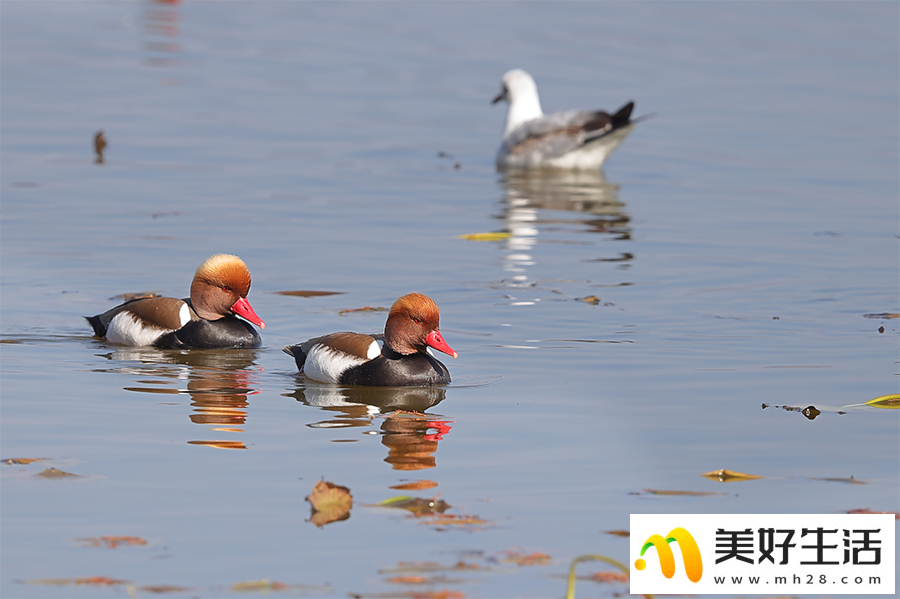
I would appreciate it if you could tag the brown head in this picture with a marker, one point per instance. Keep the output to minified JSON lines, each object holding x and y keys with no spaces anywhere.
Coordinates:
{"x":413,"y":325}
{"x":220,"y":287}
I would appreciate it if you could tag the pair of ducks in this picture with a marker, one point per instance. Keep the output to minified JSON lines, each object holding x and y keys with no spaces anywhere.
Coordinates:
{"x":209,"y":320}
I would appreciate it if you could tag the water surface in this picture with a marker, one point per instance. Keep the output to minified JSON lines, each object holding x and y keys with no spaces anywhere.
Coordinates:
{"x":625,"y":335}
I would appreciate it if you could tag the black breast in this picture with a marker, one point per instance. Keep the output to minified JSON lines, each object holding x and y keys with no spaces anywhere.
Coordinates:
{"x":227,"y":332}
{"x":394,"y":370}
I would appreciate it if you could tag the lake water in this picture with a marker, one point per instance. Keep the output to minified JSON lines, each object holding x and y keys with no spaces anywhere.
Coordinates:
{"x":739,"y":250}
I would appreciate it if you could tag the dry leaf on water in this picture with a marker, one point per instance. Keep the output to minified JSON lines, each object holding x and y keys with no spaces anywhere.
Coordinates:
{"x":866,"y":510}
{"x":530,"y":559}
{"x":111,"y":541}
{"x":728,"y":476}
{"x":416,"y":505}
{"x":891,"y":402}
{"x":329,"y":503}
{"x":417,"y":485}
{"x":683,"y":493}
{"x":363,"y":309}
{"x":89,"y":580}
{"x":308,"y":293}
{"x":494,"y":236}
{"x":12,"y":461}
{"x":619,"y":533}
{"x":54,"y":473}
{"x":259,"y":585}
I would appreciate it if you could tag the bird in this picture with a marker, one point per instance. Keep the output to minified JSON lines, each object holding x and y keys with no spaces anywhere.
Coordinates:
{"x":208,"y":319}
{"x":576,"y":139}
{"x":401,"y":359}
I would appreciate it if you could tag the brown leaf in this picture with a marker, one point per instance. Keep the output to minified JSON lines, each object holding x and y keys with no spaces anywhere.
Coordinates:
{"x":259,"y":585}
{"x":164,"y":588}
{"x":673,"y":492}
{"x":849,"y":481}
{"x":866,"y":510}
{"x":54,"y":473}
{"x":308,"y":293}
{"x":416,"y":485}
{"x":610,"y":577}
{"x":329,"y":503}
{"x":111,"y":541}
{"x":417,"y":505}
{"x":363,"y":309}
{"x":728,"y":476}
{"x":591,"y":299}
{"x":619,"y":533}
{"x":11,"y":461}
{"x":531,"y":559}
{"x":221,"y":444}
{"x":90,"y":580}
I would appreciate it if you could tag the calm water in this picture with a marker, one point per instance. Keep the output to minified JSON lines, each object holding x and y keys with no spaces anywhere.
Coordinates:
{"x":737,"y":246}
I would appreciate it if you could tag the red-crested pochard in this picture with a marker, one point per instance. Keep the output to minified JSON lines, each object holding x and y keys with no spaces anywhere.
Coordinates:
{"x":206,"y":320}
{"x":403,"y":359}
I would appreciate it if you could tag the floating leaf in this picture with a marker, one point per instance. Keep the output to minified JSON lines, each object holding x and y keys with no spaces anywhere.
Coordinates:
{"x":619,"y":533}
{"x":891,"y":402}
{"x":54,"y":473}
{"x":220,"y":444}
{"x":415,"y":485}
{"x":259,"y":585}
{"x":531,"y":559}
{"x":111,"y":541}
{"x":685,"y":493}
{"x":445,"y":521}
{"x":866,"y":510}
{"x":591,"y":299}
{"x":494,"y":236}
{"x":882,"y":315}
{"x":363,"y":309}
{"x":90,"y":580}
{"x":849,"y":481}
{"x":308,"y":293}
{"x":329,"y":502}
{"x":164,"y":588}
{"x":12,"y":461}
{"x":570,"y":589}
{"x":728,"y":476}
{"x":430,"y":567}
{"x":416,"y":505}
{"x":127,"y":297}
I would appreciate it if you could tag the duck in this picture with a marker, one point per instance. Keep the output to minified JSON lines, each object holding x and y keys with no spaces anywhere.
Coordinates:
{"x":400,"y":357}
{"x":210,"y":319}
{"x":576,"y":139}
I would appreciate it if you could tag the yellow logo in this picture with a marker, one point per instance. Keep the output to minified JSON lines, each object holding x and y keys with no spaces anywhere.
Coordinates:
{"x":693,"y":565}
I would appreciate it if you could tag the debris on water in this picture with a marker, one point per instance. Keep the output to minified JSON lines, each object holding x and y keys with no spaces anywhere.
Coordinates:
{"x":619,"y":533}
{"x":727,"y":476}
{"x":111,"y":542}
{"x":127,"y":297}
{"x":99,"y":146}
{"x":54,"y":473}
{"x":329,"y":503}
{"x":680,"y":493}
{"x":891,"y":402}
{"x":363,"y":309}
{"x":591,"y":299}
{"x":492,"y":236}
{"x":12,"y":461}
{"x":866,"y":510}
{"x":811,"y":412}
{"x":849,"y":481}
{"x":304,"y":293}
{"x":415,"y":485}
{"x":530,"y":559}
{"x":416,"y":505}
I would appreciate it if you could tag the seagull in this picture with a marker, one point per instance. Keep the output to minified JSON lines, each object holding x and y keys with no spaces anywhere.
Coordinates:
{"x":576,"y":139}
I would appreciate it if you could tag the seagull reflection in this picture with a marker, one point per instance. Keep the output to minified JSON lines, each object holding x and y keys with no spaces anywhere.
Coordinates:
{"x":527,"y":193}
{"x":218,"y":381}
{"x":410,"y":435}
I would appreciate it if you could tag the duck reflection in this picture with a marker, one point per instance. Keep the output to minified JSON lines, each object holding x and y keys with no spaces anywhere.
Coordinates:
{"x":529,"y":192}
{"x":410,"y":435}
{"x":218,"y":381}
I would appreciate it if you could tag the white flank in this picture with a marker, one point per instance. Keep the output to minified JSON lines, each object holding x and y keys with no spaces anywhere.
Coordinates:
{"x":325,"y":364}
{"x":184,"y":314}
{"x":126,"y":329}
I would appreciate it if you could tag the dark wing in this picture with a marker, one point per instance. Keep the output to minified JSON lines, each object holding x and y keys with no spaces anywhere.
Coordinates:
{"x":161,"y":312}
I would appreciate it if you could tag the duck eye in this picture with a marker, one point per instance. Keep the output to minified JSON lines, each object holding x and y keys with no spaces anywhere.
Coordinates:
{"x":417,"y":320}
{"x":226,"y":288}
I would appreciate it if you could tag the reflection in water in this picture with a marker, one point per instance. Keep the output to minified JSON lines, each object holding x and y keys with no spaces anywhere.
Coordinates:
{"x":410,"y":435}
{"x":218,"y":381}
{"x":585,"y":192}
{"x":161,"y":19}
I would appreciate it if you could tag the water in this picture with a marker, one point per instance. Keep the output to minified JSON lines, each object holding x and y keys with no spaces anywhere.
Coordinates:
{"x":735,"y":244}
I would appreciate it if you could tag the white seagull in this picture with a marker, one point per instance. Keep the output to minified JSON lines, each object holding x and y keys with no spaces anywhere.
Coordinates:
{"x":576,"y":139}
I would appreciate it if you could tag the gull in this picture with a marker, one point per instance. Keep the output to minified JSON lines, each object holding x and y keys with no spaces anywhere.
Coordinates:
{"x":575,"y":139}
